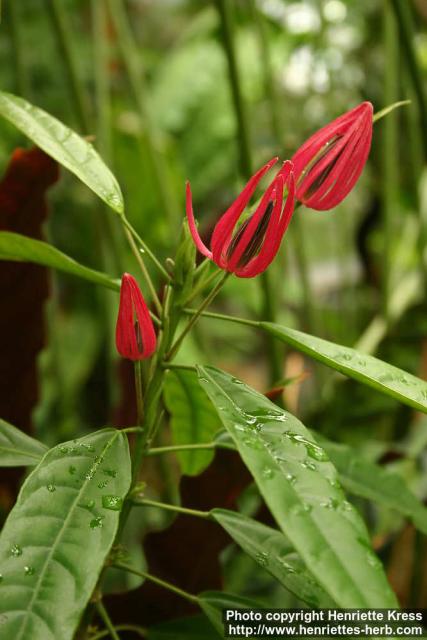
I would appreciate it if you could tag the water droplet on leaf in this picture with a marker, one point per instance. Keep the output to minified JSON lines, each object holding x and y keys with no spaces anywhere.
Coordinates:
{"x":96,"y":523}
{"x":16,"y":550}
{"x":114,"y":503}
{"x":110,"y":472}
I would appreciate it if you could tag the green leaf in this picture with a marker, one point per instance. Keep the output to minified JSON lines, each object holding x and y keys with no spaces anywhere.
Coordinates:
{"x":193,"y":419}
{"x":366,"y":369}
{"x":17,"y":449}
{"x":57,"y":536}
{"x":299,"y":484}
{"x":271,"y":549}
{"x":64,"y":145}
{"x":213,"y":603}
{"x":369,"y":480}
{"x":19,"y":248}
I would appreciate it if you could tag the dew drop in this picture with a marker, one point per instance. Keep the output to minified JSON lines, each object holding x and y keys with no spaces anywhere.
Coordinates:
{"x":308,"y":465}
{"x":114,"y":503}
{"x":51,"y":488}
{"x":290,"y":478}
{"x":102,"y":484}
{"x":288,"y":567}
{"x":332,"y":503}
{"x":109,"y":472}
{"x":1,"y":578}
{"x":63,"y":449}
{"x":90,"y":504}
{"x":372,"y":559}
{"x":29,"y":571}
{"x":72,"y":470}
{"x":262,"y":558}
{"x":267,"y":473}
{"x":96,"y":523}
{"x":16,"y":550}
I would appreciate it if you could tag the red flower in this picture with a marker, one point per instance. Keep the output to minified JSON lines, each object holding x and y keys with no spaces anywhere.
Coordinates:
{"x":329,"y":164}
{"x":135,"y":335}
{"x":249,"y":249}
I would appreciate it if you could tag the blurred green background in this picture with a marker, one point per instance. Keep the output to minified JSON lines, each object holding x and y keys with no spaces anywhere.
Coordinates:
{"x":150,"y":81}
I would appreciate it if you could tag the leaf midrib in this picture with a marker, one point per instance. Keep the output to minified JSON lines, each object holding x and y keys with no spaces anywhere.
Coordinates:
{"x":60,"y":534}
{"x":45,"y":130}
{"x":357,"y":373}
{"x":21,"y":453}
{"x":344,"y":568}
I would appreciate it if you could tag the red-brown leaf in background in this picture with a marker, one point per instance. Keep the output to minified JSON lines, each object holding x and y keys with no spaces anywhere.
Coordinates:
{"x":23,"y":286}
{"x":186,"y":553}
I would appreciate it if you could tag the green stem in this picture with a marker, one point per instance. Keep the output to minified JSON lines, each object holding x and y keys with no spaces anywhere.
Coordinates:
{"x":142,"y":434}
{"x":276,"y":111}
{"x":404,"y":20}
{"x":201,"y":285}
{"x":121,"y":627}
{"x":131,"y":56}
{"x":224,"y":8}
{"x":145,"y":247}
{"x":157,"y":451}
{"x":179,"y":367}
{"x":162,"y":583}
{"x":223,"y":316}
{"x":172,"y":507}
{"x":141,"y":264}
{"x":59,"y":22}
{"x":302,"y":262}
{"x":22,"y":80}
{"x":101,"y":80}
{"x":173,"y":350}
{"x":390,"y":152}
{"x":106,"y":619}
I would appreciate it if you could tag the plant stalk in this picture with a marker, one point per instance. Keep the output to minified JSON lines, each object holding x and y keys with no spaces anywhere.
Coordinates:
{"x":62,"y":30}
{"x":162,"y":583}
{"x":206,"y":302}
{"x":224,"y":8}
{"x":171,"y":507}
{"x":404,"y":20}
{"x":103,"y":613}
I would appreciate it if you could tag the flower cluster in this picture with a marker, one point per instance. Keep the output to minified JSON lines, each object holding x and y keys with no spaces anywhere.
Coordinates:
{"x":320,"y":175}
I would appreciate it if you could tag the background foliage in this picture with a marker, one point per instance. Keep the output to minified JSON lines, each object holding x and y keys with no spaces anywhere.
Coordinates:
{"x":149,"y":81}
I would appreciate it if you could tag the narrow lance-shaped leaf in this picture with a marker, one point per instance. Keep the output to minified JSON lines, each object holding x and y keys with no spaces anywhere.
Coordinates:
{"x":366,"y":479}
{"x":67,"y":147}
{"x":57,"y":536}
{"x":300,"y":486}
{"x":19,"y":248}
{"x":366,"y":369}
{"x":17,"y":449}
{"x":373,"y":482}
{"x":193,"y":419}
{"x":273,"y":551}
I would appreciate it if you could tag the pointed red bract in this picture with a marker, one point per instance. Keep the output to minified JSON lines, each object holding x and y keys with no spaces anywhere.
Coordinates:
{"x":135,"y":335}
{"x":329,"y":163}
{"x":249,"y":249}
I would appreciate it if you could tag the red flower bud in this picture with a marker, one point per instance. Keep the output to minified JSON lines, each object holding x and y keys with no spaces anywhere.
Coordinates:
{"x":135,"y":335}
{"x":328,"y":164}
{"x":249,"y":249}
